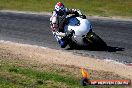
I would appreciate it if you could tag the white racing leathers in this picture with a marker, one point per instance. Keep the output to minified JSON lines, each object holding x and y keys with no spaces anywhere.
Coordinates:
{"x":57,"y":22}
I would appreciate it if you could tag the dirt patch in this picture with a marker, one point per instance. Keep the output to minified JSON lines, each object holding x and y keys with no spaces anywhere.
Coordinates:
{"x":44,"y":55}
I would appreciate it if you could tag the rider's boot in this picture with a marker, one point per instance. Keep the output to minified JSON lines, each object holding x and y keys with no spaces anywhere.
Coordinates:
{"x":63,"y":42}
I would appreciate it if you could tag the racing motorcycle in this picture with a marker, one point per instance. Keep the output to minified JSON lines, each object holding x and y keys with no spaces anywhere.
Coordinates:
{"x":80,"y":33}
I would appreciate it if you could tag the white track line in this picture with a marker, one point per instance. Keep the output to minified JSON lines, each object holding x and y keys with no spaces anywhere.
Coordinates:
{"x":19,"y":44}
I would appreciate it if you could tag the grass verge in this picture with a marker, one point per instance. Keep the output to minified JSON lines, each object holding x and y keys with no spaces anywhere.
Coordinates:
{"x":90,"y":7}
{"x":18,"y":72}
{"x":15,"y":76}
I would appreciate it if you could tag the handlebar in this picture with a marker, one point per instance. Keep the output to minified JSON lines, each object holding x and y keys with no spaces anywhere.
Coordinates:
{"x":81,"y":16}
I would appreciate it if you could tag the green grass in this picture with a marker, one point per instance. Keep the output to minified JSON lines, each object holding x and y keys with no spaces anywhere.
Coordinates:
{"x":13,"y":76}
{"x":24,"y":77}
{"x":90,"y":7}
{"x":16,"y":74}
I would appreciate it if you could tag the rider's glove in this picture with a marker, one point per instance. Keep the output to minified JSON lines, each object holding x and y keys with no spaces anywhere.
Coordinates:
{"x":79,"y":12}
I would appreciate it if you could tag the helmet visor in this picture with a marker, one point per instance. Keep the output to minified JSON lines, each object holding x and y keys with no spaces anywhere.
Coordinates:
{"x":59,"y":8}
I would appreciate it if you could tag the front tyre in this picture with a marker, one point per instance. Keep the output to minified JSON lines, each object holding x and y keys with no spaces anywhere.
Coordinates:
{"x":96,"y":41}
{"x":72,"y":44}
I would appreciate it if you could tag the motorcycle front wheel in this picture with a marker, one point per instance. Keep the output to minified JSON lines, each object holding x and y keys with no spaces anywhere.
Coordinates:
{"x":95,"y":41}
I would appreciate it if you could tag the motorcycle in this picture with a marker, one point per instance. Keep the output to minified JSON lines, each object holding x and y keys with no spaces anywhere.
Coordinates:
{"x":80,"y":33}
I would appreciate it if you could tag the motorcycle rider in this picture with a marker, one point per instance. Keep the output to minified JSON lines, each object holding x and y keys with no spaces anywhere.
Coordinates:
{"x":58,"y":20}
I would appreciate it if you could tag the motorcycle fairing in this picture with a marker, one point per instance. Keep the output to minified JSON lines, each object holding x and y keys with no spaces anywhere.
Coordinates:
{"x":80,"y":26}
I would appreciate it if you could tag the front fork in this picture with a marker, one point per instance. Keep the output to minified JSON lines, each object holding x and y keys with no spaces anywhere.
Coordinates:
{"x":88,"y":36}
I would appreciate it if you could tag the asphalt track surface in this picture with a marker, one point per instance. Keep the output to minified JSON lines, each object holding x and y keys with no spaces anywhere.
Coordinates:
{"x":35,"y":30}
